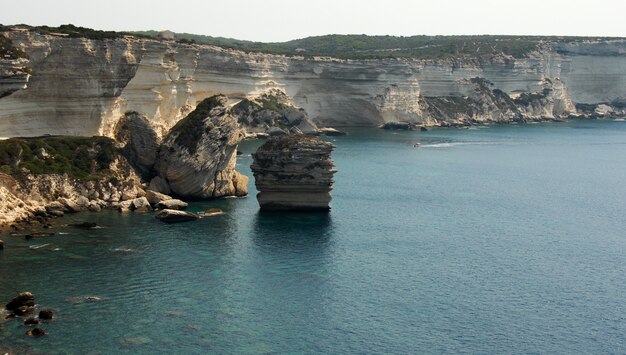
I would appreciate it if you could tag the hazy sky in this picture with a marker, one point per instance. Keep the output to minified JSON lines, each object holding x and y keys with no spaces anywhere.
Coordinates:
{"x":280,"y":20}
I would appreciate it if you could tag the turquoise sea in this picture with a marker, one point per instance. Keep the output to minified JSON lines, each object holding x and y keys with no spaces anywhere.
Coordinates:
{"x":503,"y":239}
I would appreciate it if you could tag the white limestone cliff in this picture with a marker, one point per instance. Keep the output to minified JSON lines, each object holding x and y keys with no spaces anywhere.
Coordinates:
{"x":79,"y":86}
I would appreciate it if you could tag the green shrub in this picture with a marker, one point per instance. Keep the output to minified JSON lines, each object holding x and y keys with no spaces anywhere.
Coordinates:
{"x":79,"y":157}
{"x":190,"y":129}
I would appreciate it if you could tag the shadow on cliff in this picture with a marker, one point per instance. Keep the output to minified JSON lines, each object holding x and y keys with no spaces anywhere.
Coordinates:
{"x":296,"y":231}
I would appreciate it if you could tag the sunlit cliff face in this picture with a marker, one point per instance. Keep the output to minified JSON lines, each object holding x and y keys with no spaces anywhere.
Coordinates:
{"x":79,"y":86}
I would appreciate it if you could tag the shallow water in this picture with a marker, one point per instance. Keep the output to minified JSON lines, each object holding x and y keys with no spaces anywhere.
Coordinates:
{"x":499,"y":239}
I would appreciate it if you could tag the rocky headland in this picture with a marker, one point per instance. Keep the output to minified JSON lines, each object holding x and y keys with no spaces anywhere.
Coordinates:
{"x":294,"y":173}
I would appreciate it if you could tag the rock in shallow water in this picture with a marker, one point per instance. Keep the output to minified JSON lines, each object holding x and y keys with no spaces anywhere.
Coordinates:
{"x":171,"y":204}
{"x":175,"y":216}
{"x":294,"y":173}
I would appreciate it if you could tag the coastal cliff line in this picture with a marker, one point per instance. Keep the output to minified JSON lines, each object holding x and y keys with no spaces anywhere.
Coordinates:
{"x":51,"y":83}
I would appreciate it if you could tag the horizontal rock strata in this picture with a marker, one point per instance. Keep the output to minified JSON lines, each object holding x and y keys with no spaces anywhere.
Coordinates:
{"x":294,"y":172}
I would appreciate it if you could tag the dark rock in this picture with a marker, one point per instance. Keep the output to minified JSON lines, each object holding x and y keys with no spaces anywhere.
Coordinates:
{"x":138,"y":141}
{"x":36,"y":332}
{"x":22,"y":299}
{"x":405,"y":126}
{"x":31,"y":321}
{"x":175,"y":216}
{"x":24,"y":310}
{"x":85,"y":225}
{"x":56,"y":213}
{"x":423,"y":129}
{"x":45,"y":314}
{"x":1,"y":244}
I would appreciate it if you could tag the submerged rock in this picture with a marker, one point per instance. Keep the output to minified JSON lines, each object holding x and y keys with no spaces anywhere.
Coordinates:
{"x":31,"y":321}
{"x":211,"y":212}
{"x":294,"y":173}
{"x":36,"y":332}
{"x":175,"y":216}
{"x":85,"y":225}
{"x":198,"y":156}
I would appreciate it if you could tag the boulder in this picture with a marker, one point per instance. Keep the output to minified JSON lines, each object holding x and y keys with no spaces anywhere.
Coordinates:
{"x":94,"y":206}
{"x":172,"y":204}
{"x":71,"y":206}
{"x":83,"y":202}
{"x":55,"y":206}
{"x":141,"y":204}
{"x":46,"y":314}
{"x":155,"y":197}
{"x":175,"y":216}
{"x":294,"y":173}
{"x":24,"y":299}
{"x":125,"y":206}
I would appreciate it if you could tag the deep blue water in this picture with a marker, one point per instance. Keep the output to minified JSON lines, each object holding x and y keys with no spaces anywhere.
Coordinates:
{"x":508,"y":239}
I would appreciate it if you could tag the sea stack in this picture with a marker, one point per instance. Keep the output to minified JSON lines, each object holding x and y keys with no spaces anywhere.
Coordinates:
{"x":294,"y":173}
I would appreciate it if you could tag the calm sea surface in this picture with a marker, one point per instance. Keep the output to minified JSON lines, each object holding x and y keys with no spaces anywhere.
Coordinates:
{"x":506,"y":239}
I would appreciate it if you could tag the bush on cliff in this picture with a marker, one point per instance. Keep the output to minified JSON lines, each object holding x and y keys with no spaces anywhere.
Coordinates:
{"x":190,"y":129}
{"x":82,"y":158}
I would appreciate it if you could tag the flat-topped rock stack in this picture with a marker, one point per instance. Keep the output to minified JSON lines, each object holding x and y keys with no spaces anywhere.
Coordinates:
{"x":294,"y":172}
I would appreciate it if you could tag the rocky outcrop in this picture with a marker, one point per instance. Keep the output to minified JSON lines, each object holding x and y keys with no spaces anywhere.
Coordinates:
{"x":197,"y":157}
{"x":272,"y":109}
{"x":294,"y":172}
{"x":139,"y":143}
{"x":82,"y":86}
{"x":70,"y":175}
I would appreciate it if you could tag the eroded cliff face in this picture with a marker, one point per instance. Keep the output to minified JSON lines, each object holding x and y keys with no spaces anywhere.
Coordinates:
{"x":79,"y":86}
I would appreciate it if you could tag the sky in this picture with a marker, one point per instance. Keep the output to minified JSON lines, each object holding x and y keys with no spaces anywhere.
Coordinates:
{"x":282,"y":20}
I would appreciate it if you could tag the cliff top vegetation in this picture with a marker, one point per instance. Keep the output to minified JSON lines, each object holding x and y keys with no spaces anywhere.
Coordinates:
{"x":366,"y":47}
{"x":348,"y":46}
{"x":81,"y":158}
